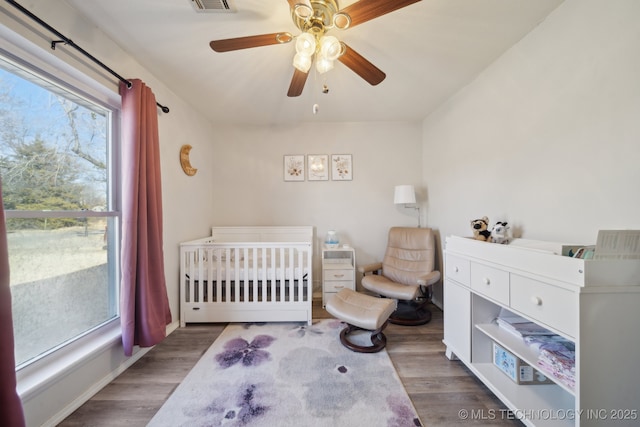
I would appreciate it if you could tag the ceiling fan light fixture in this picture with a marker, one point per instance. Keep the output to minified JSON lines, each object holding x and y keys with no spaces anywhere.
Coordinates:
{"x":330,"y":47}
{"x":314,"y":18}
{"x":306,"y":44}
{"x":302,"y":62}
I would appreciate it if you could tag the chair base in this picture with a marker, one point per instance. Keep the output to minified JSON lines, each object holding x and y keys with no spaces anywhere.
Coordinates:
{"x":411,"y":313}
{"x":378,"y":340}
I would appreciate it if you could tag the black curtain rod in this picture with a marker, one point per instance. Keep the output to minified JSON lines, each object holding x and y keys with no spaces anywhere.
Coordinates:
{"x":68,"y":41}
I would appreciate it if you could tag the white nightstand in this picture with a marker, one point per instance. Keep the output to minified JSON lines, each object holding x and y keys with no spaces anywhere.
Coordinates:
{"x":338,"y":271}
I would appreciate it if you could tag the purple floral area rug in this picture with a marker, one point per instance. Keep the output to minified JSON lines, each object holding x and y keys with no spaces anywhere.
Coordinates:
{"x":288,"y":374}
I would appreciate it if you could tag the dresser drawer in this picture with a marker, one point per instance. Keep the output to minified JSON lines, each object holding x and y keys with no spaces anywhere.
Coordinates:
{"x":337,"y":285}
{"x":490,"y":282}
{"x":338,"y":274}
{"x":547,"y":304}
{"x":457,"y":269}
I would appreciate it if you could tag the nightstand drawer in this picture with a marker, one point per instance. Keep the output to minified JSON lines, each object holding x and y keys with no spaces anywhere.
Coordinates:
{"x":338,"y":274}
{"x":490,"y":282}
{"x":548,"y":304}
{"x":337,"y":285}
{"x":458,"y":269}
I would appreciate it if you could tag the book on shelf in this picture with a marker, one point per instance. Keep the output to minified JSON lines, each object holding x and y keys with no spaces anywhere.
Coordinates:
{"x":550,"y":342}
{"x":519,"y":326}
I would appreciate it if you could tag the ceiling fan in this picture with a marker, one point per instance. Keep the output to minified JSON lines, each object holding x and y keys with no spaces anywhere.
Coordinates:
{"x":315,"y":18}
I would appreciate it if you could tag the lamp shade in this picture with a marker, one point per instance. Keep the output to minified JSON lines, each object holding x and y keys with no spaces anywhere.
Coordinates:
{"x":323,"y":64}
{"x":306,"y":44}
{"x":330,"y":47}
{"x":302,"y":62}
{"x":404,"y":194}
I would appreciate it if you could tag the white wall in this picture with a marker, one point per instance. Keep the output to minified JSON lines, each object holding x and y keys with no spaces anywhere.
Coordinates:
{"x":248,"y":185}
{"x":548,"y":137}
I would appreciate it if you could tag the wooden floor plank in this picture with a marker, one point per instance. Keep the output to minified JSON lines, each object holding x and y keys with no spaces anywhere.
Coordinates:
{"x":439,"y":388}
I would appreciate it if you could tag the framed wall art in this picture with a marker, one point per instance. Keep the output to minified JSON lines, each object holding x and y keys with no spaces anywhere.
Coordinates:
{"x":294,"y":168}
{"x":341,"y":167}
{"x":318,"y":167}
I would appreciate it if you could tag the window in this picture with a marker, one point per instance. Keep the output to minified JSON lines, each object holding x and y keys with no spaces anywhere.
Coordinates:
{"x":57,"y":148}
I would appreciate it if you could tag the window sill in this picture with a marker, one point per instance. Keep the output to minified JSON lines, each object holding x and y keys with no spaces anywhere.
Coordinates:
{"x":49,"y":369}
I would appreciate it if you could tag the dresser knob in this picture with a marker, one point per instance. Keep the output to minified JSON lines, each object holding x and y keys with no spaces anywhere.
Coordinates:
{"x":456,"y":269}
{"x":486,"y":281}
{"x":536,"y":300}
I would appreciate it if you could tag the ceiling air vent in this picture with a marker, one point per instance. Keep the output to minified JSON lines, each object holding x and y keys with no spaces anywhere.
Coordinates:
{"x":220,"y":6}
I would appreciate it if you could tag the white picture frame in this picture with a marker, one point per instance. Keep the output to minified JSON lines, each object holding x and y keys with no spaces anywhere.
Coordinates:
{"x":318,"y":167}
{"x":341,"y":167}
{"x":293,"y":167}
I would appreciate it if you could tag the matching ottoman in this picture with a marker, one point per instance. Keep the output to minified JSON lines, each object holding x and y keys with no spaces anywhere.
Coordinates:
{"x":361,"y":312}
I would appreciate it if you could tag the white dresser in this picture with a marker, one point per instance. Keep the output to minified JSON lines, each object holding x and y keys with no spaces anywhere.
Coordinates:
{"x":338,"y":271}
{"x":594,"y":303}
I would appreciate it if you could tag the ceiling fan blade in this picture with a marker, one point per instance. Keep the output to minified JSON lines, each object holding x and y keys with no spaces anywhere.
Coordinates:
{"x":227,"y":45}
{"x":359,"y":65}
{"x":366,"y":10}
{"x":297,"y":82}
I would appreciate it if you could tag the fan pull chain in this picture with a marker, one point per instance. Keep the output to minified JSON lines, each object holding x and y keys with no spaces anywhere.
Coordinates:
{"x":315,"y":107}
{"x":325,"y":90}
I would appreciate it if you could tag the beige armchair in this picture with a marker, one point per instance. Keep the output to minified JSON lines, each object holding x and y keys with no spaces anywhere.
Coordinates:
{"x":405,"y":274}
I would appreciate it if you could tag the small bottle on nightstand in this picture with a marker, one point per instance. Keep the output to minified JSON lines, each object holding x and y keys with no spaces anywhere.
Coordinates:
{"x":331,"y":241}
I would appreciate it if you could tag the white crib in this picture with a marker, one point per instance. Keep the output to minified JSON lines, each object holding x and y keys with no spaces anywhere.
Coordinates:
{"x":247,"y":274}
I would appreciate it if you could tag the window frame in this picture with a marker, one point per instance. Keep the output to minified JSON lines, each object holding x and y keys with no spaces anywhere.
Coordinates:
{"x":48,"y":368}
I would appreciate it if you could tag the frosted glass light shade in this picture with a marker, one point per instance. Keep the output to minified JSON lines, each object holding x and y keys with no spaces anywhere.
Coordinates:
{"x":404,"y":194}
{"x":323,"y":64}
{"x":330,"y":47}
{"x":306,"y":44}
{"x":302,"y":62}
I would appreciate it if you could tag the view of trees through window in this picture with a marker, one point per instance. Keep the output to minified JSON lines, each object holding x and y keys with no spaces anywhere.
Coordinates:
{"x":57,"y":193}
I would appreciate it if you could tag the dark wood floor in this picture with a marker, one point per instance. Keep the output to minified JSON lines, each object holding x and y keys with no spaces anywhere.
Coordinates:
{"x":438,"y":387}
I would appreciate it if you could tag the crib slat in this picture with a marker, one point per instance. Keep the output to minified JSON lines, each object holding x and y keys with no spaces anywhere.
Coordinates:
{"x":242,"y":289}
{"x":205,"y":278}
{"x":190,"y":260}
{"x":278,"y":269}
{"x":298,"y":276}
{"x":235,"y":284}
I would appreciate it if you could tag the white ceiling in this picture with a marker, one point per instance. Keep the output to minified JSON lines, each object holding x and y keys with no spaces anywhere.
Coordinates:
{"x":429,"y":50}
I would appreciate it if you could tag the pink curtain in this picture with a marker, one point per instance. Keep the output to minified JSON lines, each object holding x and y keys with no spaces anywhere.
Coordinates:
{"x":144,"y":303}
{"x":10,"y":405}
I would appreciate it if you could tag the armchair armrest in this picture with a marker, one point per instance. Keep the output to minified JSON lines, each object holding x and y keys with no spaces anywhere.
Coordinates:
{"x":369,"y":268}
{"x":429,"y":278}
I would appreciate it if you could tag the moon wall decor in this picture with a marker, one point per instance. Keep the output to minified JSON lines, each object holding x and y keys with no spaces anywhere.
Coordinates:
{"x":185,"y":162}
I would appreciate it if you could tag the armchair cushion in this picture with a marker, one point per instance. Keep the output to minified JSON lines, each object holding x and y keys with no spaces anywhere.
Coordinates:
{"x":410,"y":253}
{"x":369,"y":268}
{"x":381,"y":285}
